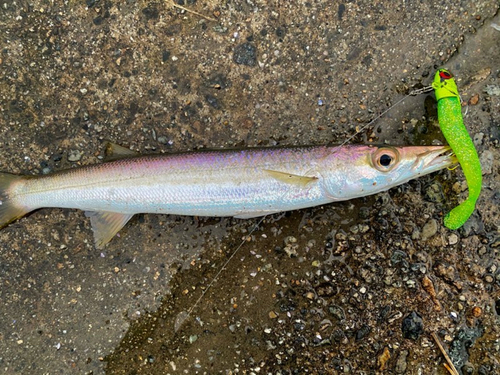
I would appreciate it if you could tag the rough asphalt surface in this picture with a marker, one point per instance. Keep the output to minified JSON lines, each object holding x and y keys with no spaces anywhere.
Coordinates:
{"x":356,"y":287}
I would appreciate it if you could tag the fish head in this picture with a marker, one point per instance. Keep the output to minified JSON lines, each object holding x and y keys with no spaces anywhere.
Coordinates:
{"x":364,"y":170}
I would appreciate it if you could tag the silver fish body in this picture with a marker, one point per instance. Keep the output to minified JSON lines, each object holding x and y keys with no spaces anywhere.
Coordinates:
{"x":246,"y":183}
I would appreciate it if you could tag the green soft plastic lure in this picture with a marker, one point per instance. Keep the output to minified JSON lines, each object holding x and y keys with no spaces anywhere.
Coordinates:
{"x":452,"y":126}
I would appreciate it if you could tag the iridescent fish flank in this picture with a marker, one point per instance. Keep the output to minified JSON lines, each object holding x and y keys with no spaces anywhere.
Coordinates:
{"x":243,"y":184}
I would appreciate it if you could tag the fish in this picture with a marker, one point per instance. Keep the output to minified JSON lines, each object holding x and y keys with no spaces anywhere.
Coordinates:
{"x":244,"y":184}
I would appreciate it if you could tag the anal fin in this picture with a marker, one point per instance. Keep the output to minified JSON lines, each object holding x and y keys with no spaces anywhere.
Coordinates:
{"x":105,"y":225}
{"x":115,"y":152}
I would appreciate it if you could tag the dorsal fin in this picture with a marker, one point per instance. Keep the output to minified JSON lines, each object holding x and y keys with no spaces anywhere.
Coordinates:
{"x":115,"y":152}
{"x":105,"y":225}
{"x":291,"y":178}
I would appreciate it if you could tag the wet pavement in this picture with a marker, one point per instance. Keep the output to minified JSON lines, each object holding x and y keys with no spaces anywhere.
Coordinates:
{"x":354,"y":287}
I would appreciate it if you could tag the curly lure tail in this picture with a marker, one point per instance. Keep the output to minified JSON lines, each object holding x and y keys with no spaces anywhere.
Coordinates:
{"x":452,"y":126}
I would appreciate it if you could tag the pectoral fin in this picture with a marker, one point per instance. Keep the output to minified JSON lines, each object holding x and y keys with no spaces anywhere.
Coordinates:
{"x":115,"y":152}
{"x":291,"y":178}
{"x":105,"y":225}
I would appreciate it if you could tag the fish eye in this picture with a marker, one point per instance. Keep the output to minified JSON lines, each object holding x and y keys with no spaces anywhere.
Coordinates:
{"x":385,"y":159}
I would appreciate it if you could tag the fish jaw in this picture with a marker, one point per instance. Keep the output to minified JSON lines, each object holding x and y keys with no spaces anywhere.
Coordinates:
{"x":361,"y":172}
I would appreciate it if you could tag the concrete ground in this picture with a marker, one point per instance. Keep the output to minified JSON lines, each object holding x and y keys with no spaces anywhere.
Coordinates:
{"x":354,"y":287}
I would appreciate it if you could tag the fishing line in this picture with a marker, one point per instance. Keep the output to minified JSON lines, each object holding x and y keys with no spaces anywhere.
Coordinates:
{"x":181,"y":318}
{"x":412,"y":93}
{"x":184,"y":315}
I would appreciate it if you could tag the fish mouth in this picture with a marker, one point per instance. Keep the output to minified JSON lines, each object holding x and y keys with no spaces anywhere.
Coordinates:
{"x":436,"y":158}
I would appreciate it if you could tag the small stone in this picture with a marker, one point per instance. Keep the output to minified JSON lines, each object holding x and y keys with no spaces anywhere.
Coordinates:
{"x":492,"y":90}
{"x":383,"y":358}
{"x":486,"y":161}
{"x":477,"y":312}
{"x":163,"y":140}
{"x":219,"y":29}
{"x":245,"y":54}
{"x":165,"y":55}
{"x":272,"y":315}
{"x":362,"y":332}
{"x":363,"y":228}
{"x":434,"y":193}
{"x":452,"y":239}
{"x":74,"y":155}
{"x":412,"y":326}
{"x":474,"y":100}
{"x":401,"y":362}
{"x":291,"y":251}
{"x":429,"y":229}
{"x":478,"y":138}
{"x":212,"y":100}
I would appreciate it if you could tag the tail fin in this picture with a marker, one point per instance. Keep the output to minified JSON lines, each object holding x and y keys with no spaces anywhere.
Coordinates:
{"x":9,"y":210}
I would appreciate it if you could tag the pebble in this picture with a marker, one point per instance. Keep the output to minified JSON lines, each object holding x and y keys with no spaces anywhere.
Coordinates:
{"x":452,"y":239}
{"x":474,"y":100}
{"x":412,"y":326}
{"x":363,"y":332}
{"x":430,"y":229}
{"x":486,"y":161}
{"x":434,"y":193}
{"x":291,"y":246}
{"x":74,"y":155}
{"x":401,"y":362}
{"x":212,"y":100}
{"x":245,"y":54}
{"x":478,"y":139}
{"x":163,"y":140}
{"x":492,"y":90}
{"x":272,"y":315}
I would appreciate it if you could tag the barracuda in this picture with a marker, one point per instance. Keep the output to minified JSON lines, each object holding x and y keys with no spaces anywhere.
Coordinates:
{"x":243,"y":184}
